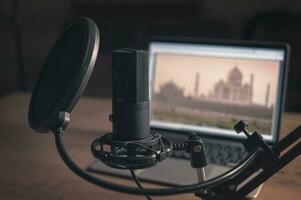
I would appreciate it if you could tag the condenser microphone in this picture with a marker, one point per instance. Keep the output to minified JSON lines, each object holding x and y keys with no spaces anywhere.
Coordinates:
{"x":131,"y":145}
{"x":130,"y":103}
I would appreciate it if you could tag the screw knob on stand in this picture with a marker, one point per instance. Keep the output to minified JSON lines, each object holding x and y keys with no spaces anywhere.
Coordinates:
{"x":241,"y":126}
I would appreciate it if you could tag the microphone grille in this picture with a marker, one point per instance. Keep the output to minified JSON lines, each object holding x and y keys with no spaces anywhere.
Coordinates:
{"x":142,"y":76}
{"x":130,"y":75}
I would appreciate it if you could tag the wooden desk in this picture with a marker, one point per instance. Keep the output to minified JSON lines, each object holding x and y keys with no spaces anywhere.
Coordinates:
{"x":30,"y":167}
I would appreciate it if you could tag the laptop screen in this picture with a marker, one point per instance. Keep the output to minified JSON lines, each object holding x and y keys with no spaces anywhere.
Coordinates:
{"x":207,"y":88}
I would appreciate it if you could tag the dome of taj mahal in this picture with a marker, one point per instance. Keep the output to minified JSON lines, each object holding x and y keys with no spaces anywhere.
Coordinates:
{"x":235,"y":76}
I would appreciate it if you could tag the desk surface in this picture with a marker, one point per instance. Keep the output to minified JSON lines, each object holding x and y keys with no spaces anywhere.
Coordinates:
{"x":30,"y":167}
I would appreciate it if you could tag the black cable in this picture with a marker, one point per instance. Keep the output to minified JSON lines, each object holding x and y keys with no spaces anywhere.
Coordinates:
{"x":151,"y":191}
{"x":138,"y":183}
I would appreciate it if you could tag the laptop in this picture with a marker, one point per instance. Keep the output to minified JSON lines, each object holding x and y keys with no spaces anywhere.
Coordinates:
{"x":205,"y":87}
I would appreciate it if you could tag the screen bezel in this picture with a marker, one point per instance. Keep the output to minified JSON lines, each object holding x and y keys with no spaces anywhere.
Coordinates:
{"x":281,"y":89}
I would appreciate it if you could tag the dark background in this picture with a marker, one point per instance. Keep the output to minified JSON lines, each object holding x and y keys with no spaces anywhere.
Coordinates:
{"x":28,"y":28}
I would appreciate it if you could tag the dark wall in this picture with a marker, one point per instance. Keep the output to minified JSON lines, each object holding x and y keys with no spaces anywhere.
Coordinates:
{"x":28,"y":28}
{"x":33,"y":25}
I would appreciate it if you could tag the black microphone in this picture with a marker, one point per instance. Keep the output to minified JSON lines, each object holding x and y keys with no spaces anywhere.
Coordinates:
{"x":132,"y":145}
{"x":130,"y":102}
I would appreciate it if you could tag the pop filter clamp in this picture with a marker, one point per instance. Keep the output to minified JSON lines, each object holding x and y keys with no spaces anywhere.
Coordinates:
{"x":60,"y":85}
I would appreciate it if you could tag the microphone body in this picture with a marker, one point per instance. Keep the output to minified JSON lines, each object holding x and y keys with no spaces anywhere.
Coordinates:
{"x":131,"y":144}
{"x":130,"y":102}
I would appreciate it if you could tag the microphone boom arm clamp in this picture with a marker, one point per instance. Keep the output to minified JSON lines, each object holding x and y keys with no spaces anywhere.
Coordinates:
{"x":264,"y":166}
{"x":196,"y":148}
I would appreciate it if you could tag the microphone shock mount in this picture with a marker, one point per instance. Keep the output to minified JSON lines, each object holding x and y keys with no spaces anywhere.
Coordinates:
{"x":135,"y":154}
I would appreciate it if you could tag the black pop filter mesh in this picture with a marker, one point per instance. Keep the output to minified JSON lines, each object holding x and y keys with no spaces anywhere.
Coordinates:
{"x":65,"y":74}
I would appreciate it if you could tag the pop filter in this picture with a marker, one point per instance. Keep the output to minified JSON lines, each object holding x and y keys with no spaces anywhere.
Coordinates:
{"x":64,"y":75}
